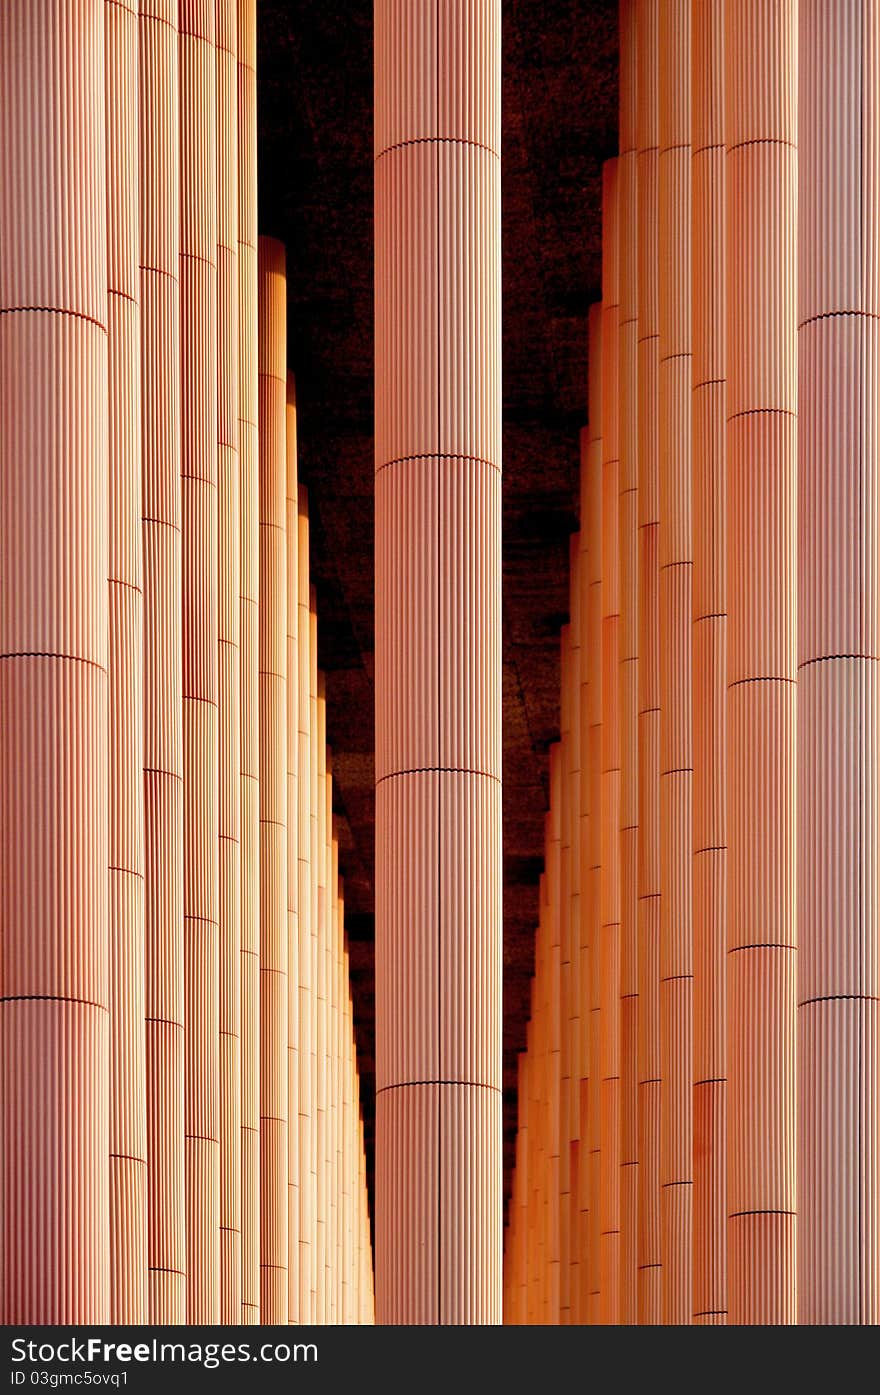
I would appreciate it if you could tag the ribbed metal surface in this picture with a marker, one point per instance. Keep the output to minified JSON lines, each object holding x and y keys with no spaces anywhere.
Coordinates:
{"x":760,"y":121}
{"x":839,"y":963}
{"x":272,"y":364}
{"x":54,"y":173}
{"x":249,"y":552}
{"x":294,"y":1044}
{"x":229,"y":653}
{"x":438,"y":661}
{"x":628,"y":681}
{"x":128,"y":1111}
{"x":675,"y":302}
{"x":53,"y":667}
{"x":709,"y":658}
{"x":200,"y":616}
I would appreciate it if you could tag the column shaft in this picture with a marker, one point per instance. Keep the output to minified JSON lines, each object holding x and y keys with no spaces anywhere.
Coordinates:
{"x":675,"y":611}
{"x":438,"y":662}
{"x":54,"y":992}
{"x":159,"y":188}
{"x":709,"y":668}
{"x":249,"y":640}
{"x":593,"y":715}
{"x":838,"y":637}
{"x":294,"y":1043}
{"x":229,"y":656}
{"x":649,"y":1058}
{"x":628,"y":683}
{"x":128,"y":1111}
{"x":272,"y":368}
{"x":609,"y":910}
{"x":305,"y":1059}
{"x":761,"y":171}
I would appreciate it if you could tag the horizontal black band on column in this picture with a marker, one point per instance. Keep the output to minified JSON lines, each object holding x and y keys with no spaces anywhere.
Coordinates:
{"x":463,"y":1084}
{"x":438,"y":770}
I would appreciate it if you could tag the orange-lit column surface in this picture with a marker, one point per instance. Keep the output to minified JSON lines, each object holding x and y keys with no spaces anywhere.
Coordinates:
{"x":676,"y":726}
{"x":609,"y":783}
{"x":54,"y":1039}
{"x":306,"y":1016}
{"x":570,"y":1217}
{"x":839,"y":965}
{"x":159,"y":187}
{"x":628,"y":683}
{"x":249,"y":639}
{"x":229,"y":657}
{"x":128,"y":1115}
{"x":295,"y":1294}
{"x":650,"y":1292}
{"x":591,"y":715}
{"x":198,"y":471}
{"x":272,"y":366}
{"x":710,"y":668}
{"x":760,"y":119}
{"x":438,"y":668}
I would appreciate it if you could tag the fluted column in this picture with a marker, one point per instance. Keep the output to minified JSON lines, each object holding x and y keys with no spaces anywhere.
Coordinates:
{"x":628,"y":683}
{"x":551,"y":997}
{"x":609,"y":908}
{"x":675,"y":609}
{"x":229,"y":656}
{"x":649,"y":1063}
{"x":128,"y":1112}
{"x":294,"y":1041}
{"x":199,"y":478}
{"x":592,"y":714}
{"x":710,"y":668}
{"x":321,"y":1103}
{"x":316,"y":1258}
{"x":272,"y":366}
{"x":582,"y":1200}
{"x":571,"y":1217}
{"x":54,"y":990}
{"x":249,"y":639}
{"x":564,"y":999}
{"x":760,"y":120}
{"x":838,"y":912}
{"x":438,"y":670}
{"x":159,"y":188}
{"x":305,"y":1017}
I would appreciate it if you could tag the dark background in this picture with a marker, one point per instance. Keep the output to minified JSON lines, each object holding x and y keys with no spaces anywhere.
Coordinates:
{"x":559,"y":122}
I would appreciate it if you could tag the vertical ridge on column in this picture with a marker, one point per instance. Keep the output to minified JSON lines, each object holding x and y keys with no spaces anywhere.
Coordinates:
{"x":761,"y":173}
{"x":628,"y":682}
{"x":304,"y":919}
{"x":128,"y":1109}
{"x":593,"y":716}
{"x":296,"y":1313}
{"x":650,"y":1292}
{"x":272,"y":370}
{"x":609,"y":927}
{"x":438,"y":661}
{"x":573,"y":1026}
{"x":249,"y":512}
{"x":229,"y":656}
{"x":54,"y":991}
{"x":199,"y":480}
{"x":837,"y":816}
{"x":709,"y":669}
{"x":159,"y":213}
{"x":316,"y":1258}
{"x":675,"y":620}
{"x":321,"y":1100}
